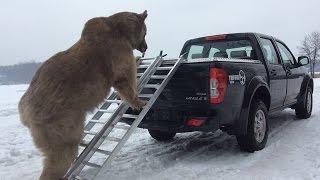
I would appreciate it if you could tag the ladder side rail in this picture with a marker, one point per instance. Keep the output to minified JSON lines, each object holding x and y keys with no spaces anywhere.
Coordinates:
{"x":86,"y":154}
{"x":90,"y":149}
{"x":141,"y":115}
{"x":96,"y":142}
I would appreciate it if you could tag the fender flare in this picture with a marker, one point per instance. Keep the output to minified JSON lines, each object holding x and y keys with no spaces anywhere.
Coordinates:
{"x":307,"y":80}
{"x":240,"y":125}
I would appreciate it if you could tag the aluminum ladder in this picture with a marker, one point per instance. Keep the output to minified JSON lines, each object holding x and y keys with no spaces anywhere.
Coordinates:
{"x":154,"y":75}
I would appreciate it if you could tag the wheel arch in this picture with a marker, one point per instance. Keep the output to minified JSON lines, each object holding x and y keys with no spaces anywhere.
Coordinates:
{"x":307,"y":82}
{"x":257,"y":88}
{"x":262,"y":93}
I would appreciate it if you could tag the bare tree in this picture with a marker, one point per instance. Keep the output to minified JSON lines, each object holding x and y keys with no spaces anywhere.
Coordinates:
{"x":310,"y":47}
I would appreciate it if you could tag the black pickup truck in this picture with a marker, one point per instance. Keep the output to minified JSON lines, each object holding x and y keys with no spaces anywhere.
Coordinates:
{"x":231,"y":82}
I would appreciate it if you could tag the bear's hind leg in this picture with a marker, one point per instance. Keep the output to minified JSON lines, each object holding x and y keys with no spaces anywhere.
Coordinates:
{"x":58,"y":140}
{"x":58,"y":160}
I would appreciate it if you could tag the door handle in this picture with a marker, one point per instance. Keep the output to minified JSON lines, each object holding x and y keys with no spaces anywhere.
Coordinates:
{"x":273,"y":72}
{"x":288,"y":72}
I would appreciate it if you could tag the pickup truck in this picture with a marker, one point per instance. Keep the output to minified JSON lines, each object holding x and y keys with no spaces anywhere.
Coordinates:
{"x":231,"y":82}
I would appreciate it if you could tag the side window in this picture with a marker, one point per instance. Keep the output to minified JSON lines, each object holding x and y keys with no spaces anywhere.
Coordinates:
{"x":195,"y":52}
{"x":269,"y":51}
{"x":213,"y":52}
{"x":285,"y":54}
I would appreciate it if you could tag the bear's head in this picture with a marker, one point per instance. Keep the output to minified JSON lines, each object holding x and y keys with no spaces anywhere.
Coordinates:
{"x":133,"y":27}
{"x":124,"y":25}
{"x":142,"y":47}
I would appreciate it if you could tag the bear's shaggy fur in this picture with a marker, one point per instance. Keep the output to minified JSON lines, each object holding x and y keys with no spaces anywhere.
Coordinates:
{"x":75,"y":81}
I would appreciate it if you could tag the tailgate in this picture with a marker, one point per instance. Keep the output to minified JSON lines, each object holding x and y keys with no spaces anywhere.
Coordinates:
{"x":188,"y":87}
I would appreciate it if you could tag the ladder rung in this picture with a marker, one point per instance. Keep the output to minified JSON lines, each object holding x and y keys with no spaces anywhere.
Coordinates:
{"x":132,"y":116}
{"x":114,"y":101}
{"x":169,"y":61}
{"x":139,"y":74}
{"x":113,"y":139}
{"x":147,"y":59}
{"x":145,"y":95}
{"x":164,"y":68}
{"x":108,"y":153}
{"x":124,"y":127}
{"x":154,"y":86}
{"x":158,"y":76}
{"x":97,"y":121}
{"x":146,"y":62}
{"x":92,"y":165}
{"x":106,"y":111}
{"x":90,"y":132}
{"x":143,"y":66}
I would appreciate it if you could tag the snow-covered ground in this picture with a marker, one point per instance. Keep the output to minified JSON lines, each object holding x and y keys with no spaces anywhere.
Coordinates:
{"x":292,"y":152}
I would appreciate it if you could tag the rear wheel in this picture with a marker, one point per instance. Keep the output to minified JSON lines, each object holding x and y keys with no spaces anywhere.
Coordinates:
{"x":257,"y":131}
{"x":304,"y":108}
{"x":161,"y":135}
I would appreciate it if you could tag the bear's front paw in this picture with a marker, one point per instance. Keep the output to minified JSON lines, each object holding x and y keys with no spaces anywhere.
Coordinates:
{"x":139,"y":104}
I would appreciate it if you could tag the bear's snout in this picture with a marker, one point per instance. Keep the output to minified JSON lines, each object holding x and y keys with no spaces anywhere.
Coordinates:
{"x":143,"y":46}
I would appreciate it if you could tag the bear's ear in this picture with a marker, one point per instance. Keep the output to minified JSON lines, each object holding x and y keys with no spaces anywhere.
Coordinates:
{"x":144,"y":15}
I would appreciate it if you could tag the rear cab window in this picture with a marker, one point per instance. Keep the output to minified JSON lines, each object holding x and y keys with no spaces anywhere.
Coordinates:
{"x":239,"y":48}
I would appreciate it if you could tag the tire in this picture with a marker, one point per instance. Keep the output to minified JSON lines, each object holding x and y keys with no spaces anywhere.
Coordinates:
{"x":255,"y":140}
{"x":161,"y":135}
{"x":304,"y":108}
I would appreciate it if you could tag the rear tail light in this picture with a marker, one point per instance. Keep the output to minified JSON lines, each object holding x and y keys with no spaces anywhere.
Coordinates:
{"x":218,"y":85}
{"x":195,"y":122}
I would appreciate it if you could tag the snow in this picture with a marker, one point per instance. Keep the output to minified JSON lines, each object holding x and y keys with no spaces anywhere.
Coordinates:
{"x":292,"y":151}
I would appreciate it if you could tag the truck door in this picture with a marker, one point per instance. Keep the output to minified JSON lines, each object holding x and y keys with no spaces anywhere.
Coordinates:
{"x":277,"y":74}
{"x":294,"y":73}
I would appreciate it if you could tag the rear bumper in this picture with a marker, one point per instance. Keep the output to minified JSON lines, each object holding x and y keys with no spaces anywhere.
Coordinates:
{"x":175,"y":120}
{"x":179,"y":126}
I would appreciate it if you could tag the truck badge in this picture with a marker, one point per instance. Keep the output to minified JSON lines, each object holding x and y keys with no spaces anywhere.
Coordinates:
{"x":241,"y":77}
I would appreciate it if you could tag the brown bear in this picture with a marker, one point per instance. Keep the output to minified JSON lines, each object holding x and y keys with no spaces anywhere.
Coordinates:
{"x":77,"y":80}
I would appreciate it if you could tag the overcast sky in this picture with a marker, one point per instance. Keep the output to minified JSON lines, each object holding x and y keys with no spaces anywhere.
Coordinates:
{"x":37,"y":29}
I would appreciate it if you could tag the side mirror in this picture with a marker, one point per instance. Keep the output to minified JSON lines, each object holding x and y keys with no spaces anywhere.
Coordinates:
{"x":303,"y":60}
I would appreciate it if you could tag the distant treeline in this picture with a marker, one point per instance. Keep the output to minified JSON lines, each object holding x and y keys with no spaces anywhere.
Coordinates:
{"x":21,"y":73}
